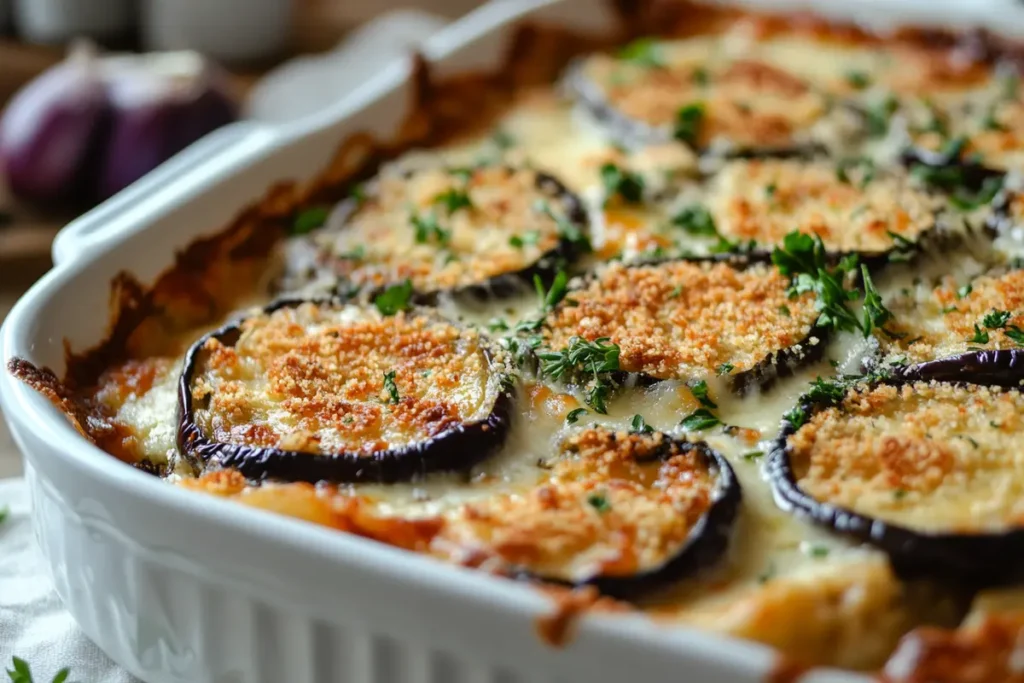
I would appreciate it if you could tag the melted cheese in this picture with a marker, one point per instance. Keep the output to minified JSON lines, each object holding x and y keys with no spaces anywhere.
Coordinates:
{"x":932,"y":457}
{"x":327,"y":380}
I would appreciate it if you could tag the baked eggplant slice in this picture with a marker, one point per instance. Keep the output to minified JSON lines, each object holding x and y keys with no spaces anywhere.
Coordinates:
{"x":985,"y":314}
{"x":626,"y":512}
{"x":483,"y":230}
{"x":928,"y":471}
{"x":307,"y":391}
{"x":693,"y":92}
{"x":691,"y":319}
{"x":853,"y":206}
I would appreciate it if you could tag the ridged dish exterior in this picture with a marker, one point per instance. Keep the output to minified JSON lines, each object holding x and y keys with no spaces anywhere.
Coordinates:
{"x":179,"y":587}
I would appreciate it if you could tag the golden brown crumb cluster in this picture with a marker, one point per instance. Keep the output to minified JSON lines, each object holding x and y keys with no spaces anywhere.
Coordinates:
{"x":748,"y":102}
{"x":615,"y":503}
{"x":445,"y":229}
{"x":327,"y":380}
{"x":685,"y":319}
{"x":853,"y":210}
{"x":930,"y":456}
{"x":944,"y":323}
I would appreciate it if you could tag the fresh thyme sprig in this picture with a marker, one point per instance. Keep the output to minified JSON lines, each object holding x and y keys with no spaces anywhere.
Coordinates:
{"x":593,"y":360}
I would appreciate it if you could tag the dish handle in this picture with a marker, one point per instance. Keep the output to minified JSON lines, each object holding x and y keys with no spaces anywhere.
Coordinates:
{"x":99,"y":224}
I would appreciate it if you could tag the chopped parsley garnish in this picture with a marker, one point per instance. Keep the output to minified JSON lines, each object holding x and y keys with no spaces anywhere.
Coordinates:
{"x":4,"y":512}
{"x":357,"y":253}
{"x":394,"y":299}
{"x":584,"y":358}
{"x":676,"y":291}
{"x":876,"y":315}
{"x":549,"y":298}
{"x":21,"y":673}
{"x":497,"y":325}
{"x":644,"y":52}
{"x":857,"y":79}
{"x":358,"y":193}
{"x":696,"y":220}
{"x":699,"y":420}
{"x":527,"y":238}
{"x":784,"y":311}
{"x":1015,"y":334}
{"x":625,"y":184}
{"x":796,"y":417}
{"x":574,"y":415}
{"x":391,"y":387}
{"x":724,"y":369}
{"x":996,"y":319}
{"x":965,"y":201}
{"x":427,"y":229}
{"x":700,"y":392}
{"x":751,"y":456}
{"x":826,"y":391}
{"x":803,"y":258}
{"x":980,"y":336}
{"x":599,"y":502}
{"x":964,"y":291}
{"x":689,"y":120}
{"x":453,"y":199}
{"x":817,"y":551}
{"x":309,"y":220}
{"x":899,"y":494}
{"x":567,"y":230}
{"x":637,"y":424}
{"x":904,"y":248}
{"x":863,"y":166}
{"x":878,"y":116}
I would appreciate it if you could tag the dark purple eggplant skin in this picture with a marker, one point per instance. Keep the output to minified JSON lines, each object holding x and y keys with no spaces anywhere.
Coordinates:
{"x":504,"y":285}
{"x":996,"y":367}
{"x":456,"y":449}
{"x":975,"y":559}
{"x":707,"y":543}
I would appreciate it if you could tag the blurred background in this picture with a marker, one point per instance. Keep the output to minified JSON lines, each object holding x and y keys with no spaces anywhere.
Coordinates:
{"x":75,"y":129}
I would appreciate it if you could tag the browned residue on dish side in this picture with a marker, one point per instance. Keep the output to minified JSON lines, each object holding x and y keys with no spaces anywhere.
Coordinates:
{"x":570,"y":605}
{"x":786,"y":670}
{"x":986,"y":652}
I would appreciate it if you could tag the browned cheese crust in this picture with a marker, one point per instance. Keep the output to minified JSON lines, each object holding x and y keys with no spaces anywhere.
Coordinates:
{"x":613,"y":504}
{"x":684,"y":319}
{"x":764,"y":200}
{"x":442,"y":229}
{"x":928,"y":456}
{"x":313,"y":379}
{"x":944,"y":323}
{"x":747,"y":101}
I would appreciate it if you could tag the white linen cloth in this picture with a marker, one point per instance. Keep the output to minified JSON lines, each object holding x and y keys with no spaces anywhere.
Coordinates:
{"x":33,"y":623}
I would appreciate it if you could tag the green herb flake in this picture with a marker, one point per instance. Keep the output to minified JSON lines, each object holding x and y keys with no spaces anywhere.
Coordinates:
{"x":645,"y":52}
{"x":876,"y":315}
{"x":551,"y":297}
{"x":878,"y":116}
{"x":996,"y":319}
{"x":751,"y":456}
{"x":599,"y":502}
{"x":965,"y":201}
{"x":1015,"y":334}
{"x":4,"y":514}
{"x":899,"y":494}
{"x":796,"y":417}
{"x":701,"y":76}
{"x":622,"y":183}
{"x":724,"y":369}
{"x":497,"y":325}
{"x":574,"y":415}
{"x":862,"y":166}
{"x":309,"y":220}
{"x":964,"y":291}
{"x":394,"y":299}
{"x":699,"y":420}
{"x":567,"y":230}
{"x":503,"y":140}
{"x":980,"y":336}
{"x":784,"y":311}
{"x":529,"y":238}
{"x":817,"y":551}
{"x":688,"y":124}
{"x":700,"y":392}
{"x":696,"y":220}
{"x":428,"y":229}
{"x":857,"y":79}
{"x":676,"y":292}
{"x":637,"y":424}
{"x":391,"y":387}
{"x":453,"y":199}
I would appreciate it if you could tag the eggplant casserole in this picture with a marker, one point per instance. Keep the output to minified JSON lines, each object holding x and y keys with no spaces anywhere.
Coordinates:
{"x":727,"y":324}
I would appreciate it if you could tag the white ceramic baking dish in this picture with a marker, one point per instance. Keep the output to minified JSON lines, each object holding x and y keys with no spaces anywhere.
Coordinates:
{"x":180,"y":587}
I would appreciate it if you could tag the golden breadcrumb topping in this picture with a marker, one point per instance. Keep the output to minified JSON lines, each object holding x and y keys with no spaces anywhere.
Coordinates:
{"x":929,"y":456}
{"x":852,"y":208}
{"x":684,"y":319}
{"x":943,"y":324}
{"x":748,"y":102}
{"x":445,"y":229}
{"x":613,"y":504}
{"x":326,"y":380}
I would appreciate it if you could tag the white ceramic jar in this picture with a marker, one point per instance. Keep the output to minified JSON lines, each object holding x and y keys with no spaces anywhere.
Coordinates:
{"x":57,"y":21}
{"x":230,"y":31}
